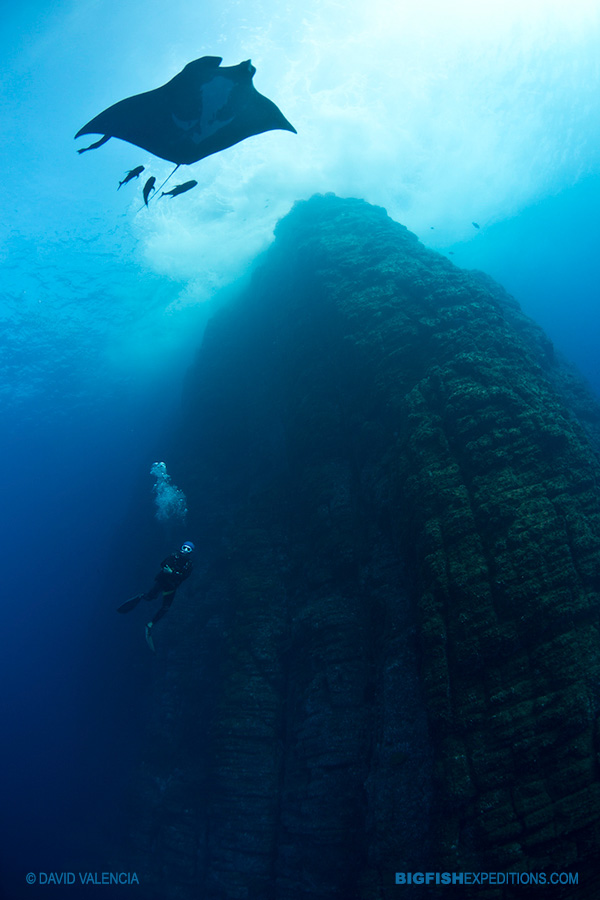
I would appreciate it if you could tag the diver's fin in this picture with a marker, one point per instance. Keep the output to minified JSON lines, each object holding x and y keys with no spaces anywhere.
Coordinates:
{"x":149,"y":640}
{"x":130,"y":604}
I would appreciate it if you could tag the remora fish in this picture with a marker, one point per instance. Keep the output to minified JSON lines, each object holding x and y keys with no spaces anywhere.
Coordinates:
{"x":180,"y":189}
{"x":133,"y":173}
{"x":148,"y":188}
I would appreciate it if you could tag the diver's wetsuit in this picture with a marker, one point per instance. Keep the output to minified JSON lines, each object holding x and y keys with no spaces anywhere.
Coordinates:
{"x":173,"y":571}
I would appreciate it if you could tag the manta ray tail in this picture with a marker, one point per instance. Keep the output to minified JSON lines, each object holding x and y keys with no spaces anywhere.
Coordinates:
{"x":155,"y":193}
{"x":166,"y":179}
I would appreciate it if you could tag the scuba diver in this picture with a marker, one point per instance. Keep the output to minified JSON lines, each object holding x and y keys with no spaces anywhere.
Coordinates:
{"x":173,"y":571}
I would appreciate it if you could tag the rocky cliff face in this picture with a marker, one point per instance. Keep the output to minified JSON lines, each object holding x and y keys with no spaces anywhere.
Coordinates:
{"x":388,"y":659}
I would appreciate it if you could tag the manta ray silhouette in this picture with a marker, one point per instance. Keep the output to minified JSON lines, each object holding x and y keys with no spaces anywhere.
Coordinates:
{"x":202,"y":110}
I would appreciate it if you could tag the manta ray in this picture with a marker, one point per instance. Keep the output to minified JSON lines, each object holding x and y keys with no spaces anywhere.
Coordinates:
{"x":202,"y":110}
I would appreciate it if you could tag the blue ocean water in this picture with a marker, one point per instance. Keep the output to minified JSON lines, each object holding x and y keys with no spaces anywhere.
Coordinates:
{"x":103,"y":307}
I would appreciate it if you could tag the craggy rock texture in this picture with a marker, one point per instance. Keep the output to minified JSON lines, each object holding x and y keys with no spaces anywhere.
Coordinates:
{"x":388,"y":659}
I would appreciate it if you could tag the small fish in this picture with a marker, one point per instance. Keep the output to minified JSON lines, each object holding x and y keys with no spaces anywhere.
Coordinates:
{"x":475,"y":225}
{"x":148,"y":188}
{"x":180,"y":189}
{"x":133,"y":173}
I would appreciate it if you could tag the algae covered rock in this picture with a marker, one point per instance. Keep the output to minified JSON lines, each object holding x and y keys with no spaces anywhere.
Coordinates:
{"x":391,"y":659}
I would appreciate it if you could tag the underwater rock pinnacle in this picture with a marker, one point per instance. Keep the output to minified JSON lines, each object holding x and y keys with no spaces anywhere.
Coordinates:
{"x":391,"y":660}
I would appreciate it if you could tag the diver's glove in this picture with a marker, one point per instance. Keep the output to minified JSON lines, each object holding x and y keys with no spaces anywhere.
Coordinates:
{"x":168,"y":570}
